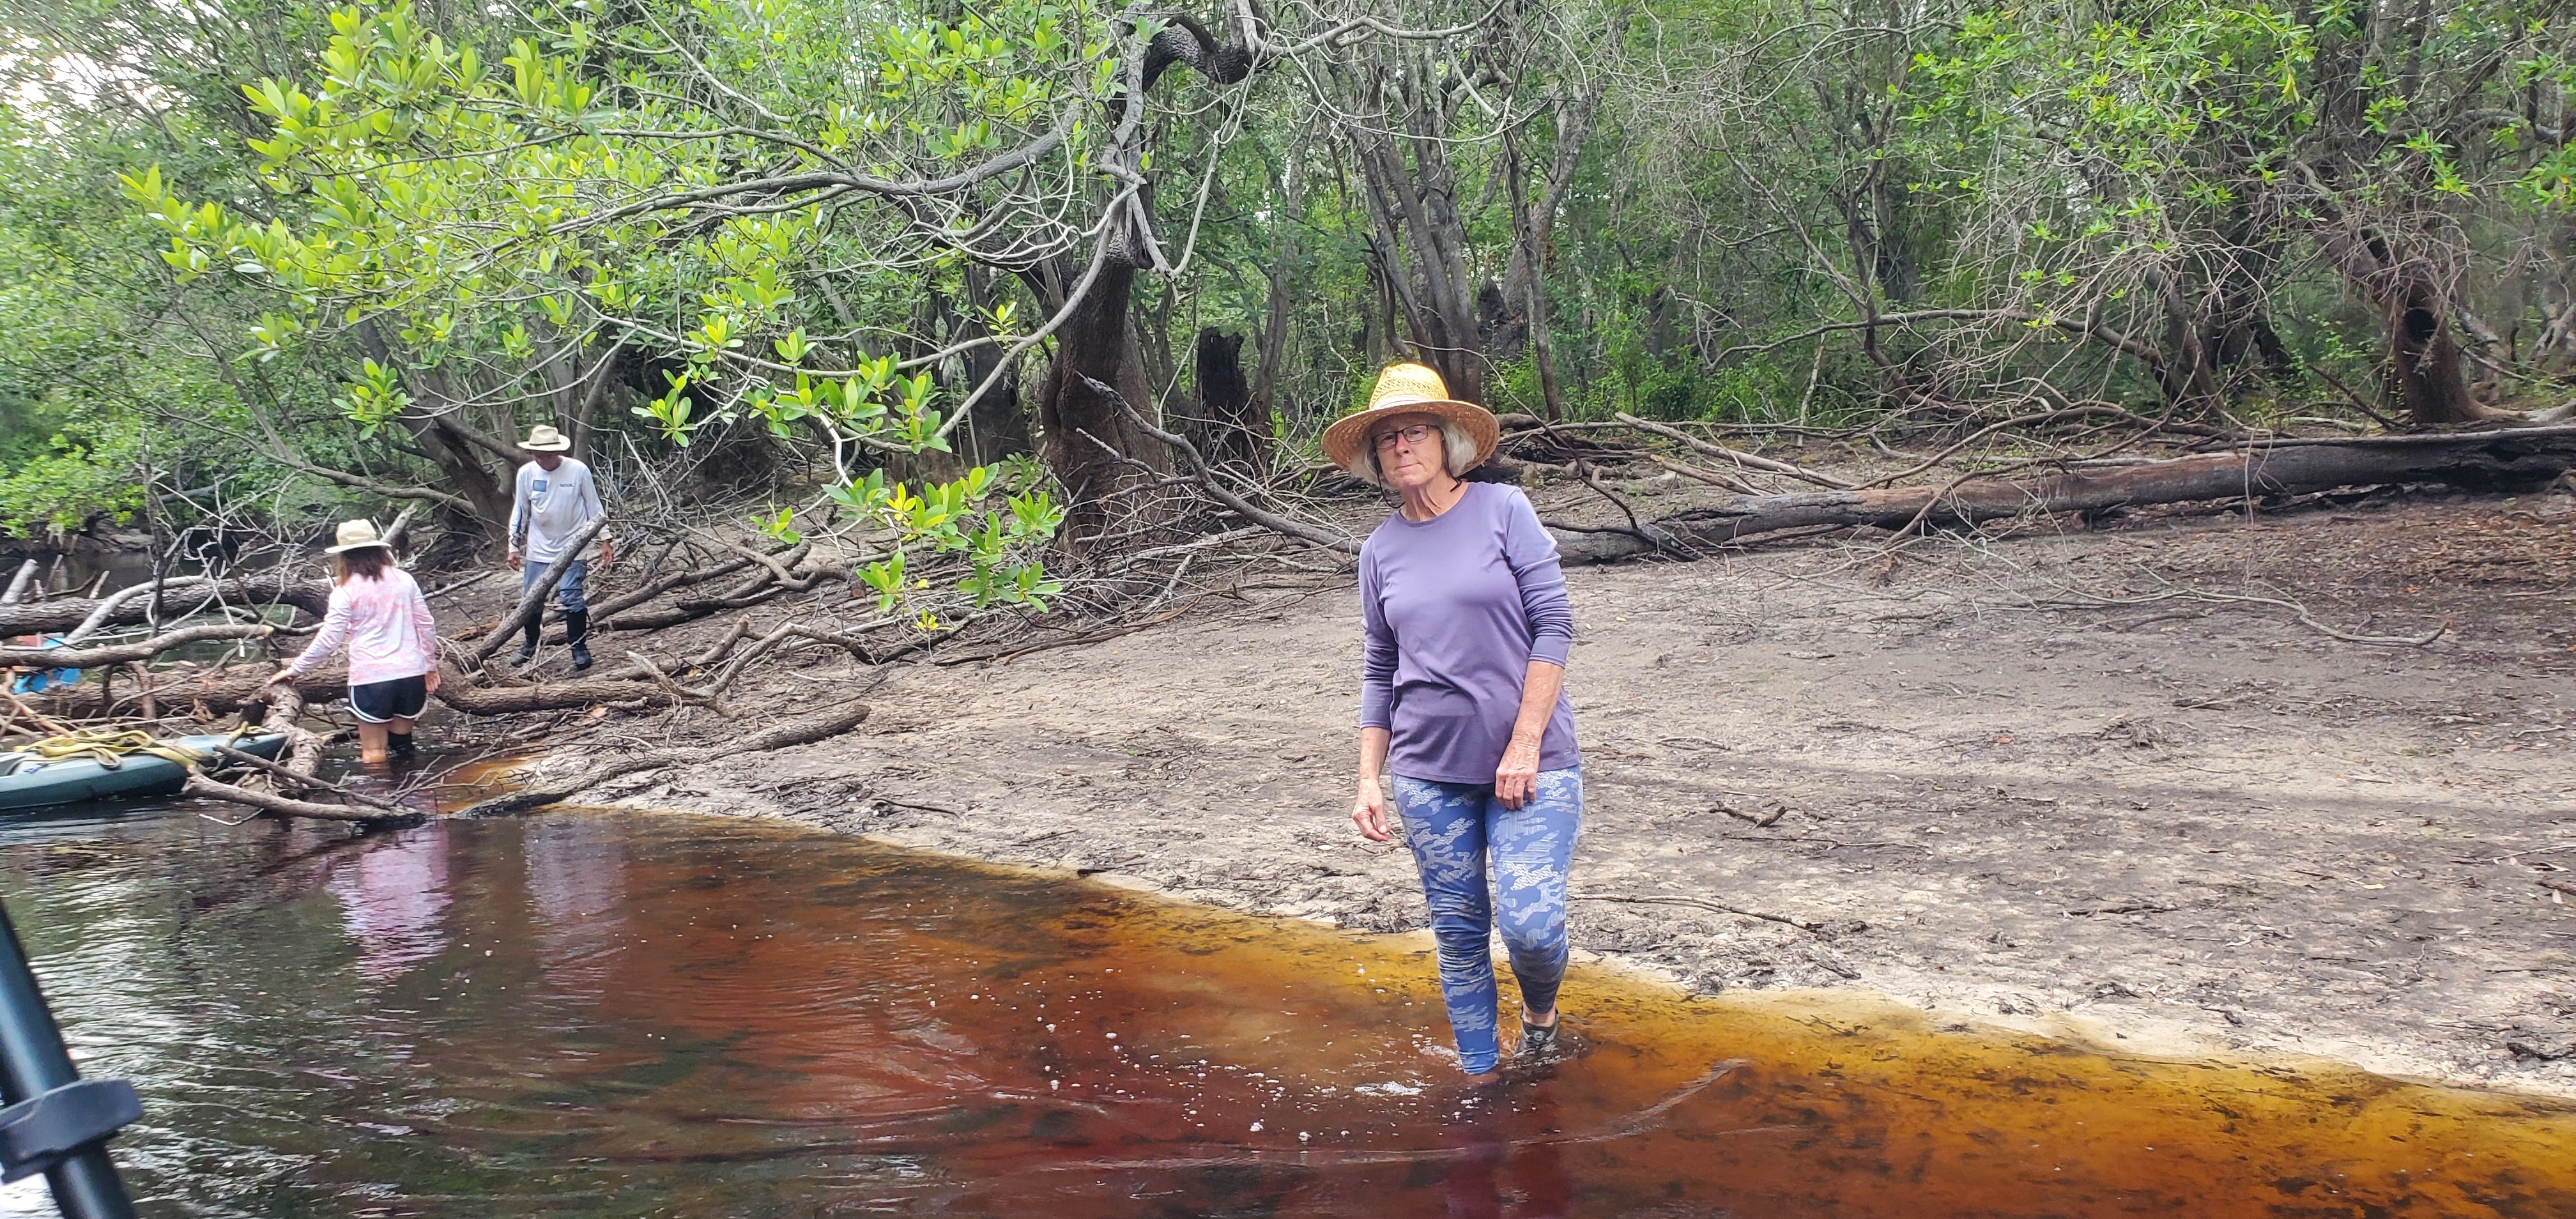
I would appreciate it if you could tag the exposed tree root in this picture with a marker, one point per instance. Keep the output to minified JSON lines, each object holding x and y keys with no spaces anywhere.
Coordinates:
{"x":474,"y":697}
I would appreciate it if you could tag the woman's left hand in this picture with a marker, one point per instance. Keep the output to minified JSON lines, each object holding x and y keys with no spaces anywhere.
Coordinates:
{"x":1516,"y":780}
{"x":430,"y":680}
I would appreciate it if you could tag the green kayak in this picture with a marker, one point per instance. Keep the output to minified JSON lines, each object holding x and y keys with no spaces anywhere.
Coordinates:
{"x":28,"y":781}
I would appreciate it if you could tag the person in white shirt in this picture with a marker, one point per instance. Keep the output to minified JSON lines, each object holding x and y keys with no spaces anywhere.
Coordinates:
{"x":554,"y":499}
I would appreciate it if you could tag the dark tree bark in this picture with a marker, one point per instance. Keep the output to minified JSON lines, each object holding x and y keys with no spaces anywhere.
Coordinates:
{"x":1096,"y":343}
{"x":2425,"y":369}
{"x":1223,"y":424}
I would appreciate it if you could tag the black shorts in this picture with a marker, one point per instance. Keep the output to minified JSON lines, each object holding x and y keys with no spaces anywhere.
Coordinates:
{"x":403,"y":698}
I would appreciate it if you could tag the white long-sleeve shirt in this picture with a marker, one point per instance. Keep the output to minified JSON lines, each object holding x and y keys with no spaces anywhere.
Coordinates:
{"x":386,"y":625}
{"x":549,"y":506}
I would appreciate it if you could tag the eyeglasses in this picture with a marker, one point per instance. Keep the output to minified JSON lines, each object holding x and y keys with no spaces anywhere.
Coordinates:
{"x":1416,"y":434}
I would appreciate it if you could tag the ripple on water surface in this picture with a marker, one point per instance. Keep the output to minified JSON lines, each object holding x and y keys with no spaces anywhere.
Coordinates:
{"x":577,"y":1014}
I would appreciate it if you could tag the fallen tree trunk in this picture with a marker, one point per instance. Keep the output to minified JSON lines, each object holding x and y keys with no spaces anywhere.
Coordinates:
{"x":123,"y":653}
{"x":277,"y":587}
{"x":797,"y":732}
{"x":2516,"y":457}
{"x":216,"y":691}
{"x":601,"y":613}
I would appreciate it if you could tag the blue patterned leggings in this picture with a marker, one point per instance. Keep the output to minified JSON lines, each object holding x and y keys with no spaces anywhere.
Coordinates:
{"x":1452,"y":827}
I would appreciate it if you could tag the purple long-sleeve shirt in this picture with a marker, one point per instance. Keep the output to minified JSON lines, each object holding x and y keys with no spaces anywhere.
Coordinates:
{"x":1455,"y":608}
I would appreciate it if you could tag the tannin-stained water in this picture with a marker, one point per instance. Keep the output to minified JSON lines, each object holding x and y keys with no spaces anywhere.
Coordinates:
{"x":595,"y":1014}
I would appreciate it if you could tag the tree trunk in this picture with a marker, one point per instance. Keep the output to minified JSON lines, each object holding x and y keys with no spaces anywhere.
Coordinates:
{"x":1224,"y":426}
{"x":1103,"y":487}
{"x":275,"y":587}
{"x":433,"y":427}
{"x":1420,"y":239}
{"x":2426,"y":374}
{"x":1277,"y":312}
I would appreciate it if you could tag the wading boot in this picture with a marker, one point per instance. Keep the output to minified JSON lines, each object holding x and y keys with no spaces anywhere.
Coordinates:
{"x":399,"y":743}
{"x":528,"y":648}
{"x":577,"y":629}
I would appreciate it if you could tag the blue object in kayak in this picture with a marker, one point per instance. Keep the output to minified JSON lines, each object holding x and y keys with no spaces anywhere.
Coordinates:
{"x":28,"y":781}
{"x":37,"y":681}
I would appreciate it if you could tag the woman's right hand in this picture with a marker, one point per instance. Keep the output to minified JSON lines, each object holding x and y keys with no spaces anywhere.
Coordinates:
{"x":1368,"y":811}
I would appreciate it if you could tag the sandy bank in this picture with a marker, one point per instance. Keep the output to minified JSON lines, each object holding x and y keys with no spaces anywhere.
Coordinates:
{"x":2174,"y":826}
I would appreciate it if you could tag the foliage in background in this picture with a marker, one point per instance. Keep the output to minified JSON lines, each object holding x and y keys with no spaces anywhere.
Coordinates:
{"x":351,"y":249}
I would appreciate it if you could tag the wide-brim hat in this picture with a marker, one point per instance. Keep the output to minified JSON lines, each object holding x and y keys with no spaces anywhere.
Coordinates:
{"x":545,"y":439}
{"x":1410,"y":389}
{"x":355,"y":535}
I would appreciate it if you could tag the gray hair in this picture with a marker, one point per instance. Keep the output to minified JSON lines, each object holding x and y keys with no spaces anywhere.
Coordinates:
{"x":1458,"y":450}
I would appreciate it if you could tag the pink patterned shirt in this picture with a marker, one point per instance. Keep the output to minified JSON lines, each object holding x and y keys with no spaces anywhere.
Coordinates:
{"x":386,"y":624}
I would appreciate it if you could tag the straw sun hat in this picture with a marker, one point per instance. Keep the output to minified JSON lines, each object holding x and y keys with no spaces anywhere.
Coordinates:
{"x":1409,"y":389}
{"x":546,"y":440}
{"x":354,"y":535}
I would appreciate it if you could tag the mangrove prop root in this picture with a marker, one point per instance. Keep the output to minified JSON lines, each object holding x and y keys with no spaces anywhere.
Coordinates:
{"x":476,"y":698}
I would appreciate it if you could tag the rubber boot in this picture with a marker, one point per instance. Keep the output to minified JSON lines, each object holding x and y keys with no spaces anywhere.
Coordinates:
{"x":399,"y":743}
{"x":528,"y":648}
{"x":577,"y":630}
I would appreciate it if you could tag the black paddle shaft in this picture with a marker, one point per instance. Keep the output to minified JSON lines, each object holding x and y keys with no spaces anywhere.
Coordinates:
{"x":33,"y":1062}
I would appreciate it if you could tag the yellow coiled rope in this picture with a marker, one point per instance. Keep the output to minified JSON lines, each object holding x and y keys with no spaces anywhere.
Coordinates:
{"x":110,"y":749}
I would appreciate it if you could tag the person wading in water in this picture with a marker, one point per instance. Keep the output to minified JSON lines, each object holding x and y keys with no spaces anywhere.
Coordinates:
{"x":379,"y":614}
{"x":1462,"y":701}
{"x":554,"y":499}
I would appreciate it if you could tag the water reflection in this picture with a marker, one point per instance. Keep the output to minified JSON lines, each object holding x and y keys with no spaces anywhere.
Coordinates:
{"x":595,"y":1015}
{"x":576,"y":875}
{"x":392,"y":893}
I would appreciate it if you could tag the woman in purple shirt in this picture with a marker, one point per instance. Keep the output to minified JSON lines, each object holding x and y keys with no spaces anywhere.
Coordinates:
{"x":1462,"y":701}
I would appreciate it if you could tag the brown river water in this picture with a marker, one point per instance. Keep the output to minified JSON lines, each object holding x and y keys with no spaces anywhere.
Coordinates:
{"x":600,"y":1014}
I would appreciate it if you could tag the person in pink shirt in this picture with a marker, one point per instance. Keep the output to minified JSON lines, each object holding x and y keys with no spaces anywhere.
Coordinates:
{"x":377,"y":612}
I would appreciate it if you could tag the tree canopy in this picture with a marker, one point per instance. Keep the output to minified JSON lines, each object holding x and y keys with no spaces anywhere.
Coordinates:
{"x":936,"y":275}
